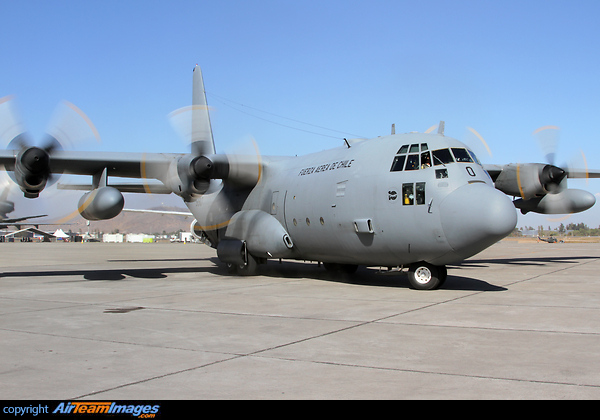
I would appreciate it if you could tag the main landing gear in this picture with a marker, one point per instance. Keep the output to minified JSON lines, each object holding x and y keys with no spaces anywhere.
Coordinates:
{"x":247,"y":268}
{"x":421,"y":275}
{"x":425,"y":276}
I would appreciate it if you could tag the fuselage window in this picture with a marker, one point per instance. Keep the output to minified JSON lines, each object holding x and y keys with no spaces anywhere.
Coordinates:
{"x":413,"y":193}
{"x":408,"y":196}
{"x":412,"y":163}
{"x":420,"y":193}
{"x":442,"y":157}
{"x":441,"y":173}
{"x":462,"y":155}
{"x":398,"y":163}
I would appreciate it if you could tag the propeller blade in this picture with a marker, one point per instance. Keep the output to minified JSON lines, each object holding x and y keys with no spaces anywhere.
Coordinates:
{"x":69,"y":127}
{"x":520,"y":181}
{"x":481,"y":140}
{"x":192,"y":125}
{"x":547,"y":137}
{"x":11,"y":126}
{"x":578,"y":168}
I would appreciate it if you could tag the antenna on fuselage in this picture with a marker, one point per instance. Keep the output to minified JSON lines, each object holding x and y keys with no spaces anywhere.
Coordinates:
{"x":347,"y":143}
{"x":393,"y":129}
{"x":441,"y":128}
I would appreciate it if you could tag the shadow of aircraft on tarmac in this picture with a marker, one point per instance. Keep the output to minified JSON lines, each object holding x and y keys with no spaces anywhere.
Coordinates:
{"x":525,"y":261}
{"x":112,"y":274}
{"x":370,"y":277}
{"x":297,"y":269}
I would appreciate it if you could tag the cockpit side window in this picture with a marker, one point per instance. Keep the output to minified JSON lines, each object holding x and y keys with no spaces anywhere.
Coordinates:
{"x":425,"y":160}
{"x":442,"y":157}
{"x":462,"y":155}
{"x":412,"y":163}
{"x":398,"y":163}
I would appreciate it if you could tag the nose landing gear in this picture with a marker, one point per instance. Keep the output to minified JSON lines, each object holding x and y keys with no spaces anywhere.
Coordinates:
{"x":425,"y":276}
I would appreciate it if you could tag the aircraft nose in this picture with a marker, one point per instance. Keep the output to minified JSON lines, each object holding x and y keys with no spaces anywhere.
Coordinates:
{"x":476,"y":216}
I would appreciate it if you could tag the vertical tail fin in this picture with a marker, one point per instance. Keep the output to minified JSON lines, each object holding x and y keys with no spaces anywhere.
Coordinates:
{"x":202,"y":137}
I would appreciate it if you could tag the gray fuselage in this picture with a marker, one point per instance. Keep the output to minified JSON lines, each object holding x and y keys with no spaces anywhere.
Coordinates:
{"x":387,"y":201}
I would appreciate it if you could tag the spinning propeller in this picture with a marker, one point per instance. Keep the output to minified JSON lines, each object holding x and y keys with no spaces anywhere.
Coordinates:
{"x":542,"y":188}
{"x":32,"y":167}
{"x":195,"y":172}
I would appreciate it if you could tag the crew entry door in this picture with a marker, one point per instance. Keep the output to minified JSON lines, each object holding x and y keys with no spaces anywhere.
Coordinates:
{"x":278,"y":207}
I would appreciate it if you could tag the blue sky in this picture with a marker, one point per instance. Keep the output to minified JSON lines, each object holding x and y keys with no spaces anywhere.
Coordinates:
{"x":504,"y":68}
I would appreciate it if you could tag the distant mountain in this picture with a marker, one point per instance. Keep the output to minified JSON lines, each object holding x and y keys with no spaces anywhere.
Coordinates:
{"x":127,"y":222}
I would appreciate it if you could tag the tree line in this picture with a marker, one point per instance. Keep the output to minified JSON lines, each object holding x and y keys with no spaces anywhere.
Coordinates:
{"x":571,"y":229}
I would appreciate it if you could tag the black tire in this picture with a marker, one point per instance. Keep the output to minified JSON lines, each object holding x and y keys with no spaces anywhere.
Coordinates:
{"x":443,"y":275}
{"x":424,"y":276}
{"x":248,"y":269}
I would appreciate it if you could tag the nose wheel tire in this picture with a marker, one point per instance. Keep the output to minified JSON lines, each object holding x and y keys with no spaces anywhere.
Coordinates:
{"x":424,"y":276}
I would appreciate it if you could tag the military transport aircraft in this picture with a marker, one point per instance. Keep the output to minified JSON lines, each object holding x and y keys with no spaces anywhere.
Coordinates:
{"x":416,"y":200}
{"x":7,"y":206}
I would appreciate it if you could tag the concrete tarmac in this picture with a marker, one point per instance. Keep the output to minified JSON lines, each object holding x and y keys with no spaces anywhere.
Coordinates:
{"x":165,"y":321}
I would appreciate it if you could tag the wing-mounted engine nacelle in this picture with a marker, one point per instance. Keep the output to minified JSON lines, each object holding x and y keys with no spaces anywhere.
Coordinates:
{"x":239,"y":170}
{"x":204,"y":168}
{"x":530,"y":180}
{"x":567,"y":201}
{"x":101,"y":204}
{"x":32,"y":169}
{"x":192,"y":174}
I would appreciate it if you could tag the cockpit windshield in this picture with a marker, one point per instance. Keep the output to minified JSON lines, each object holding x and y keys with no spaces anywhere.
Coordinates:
{"x":462,"y":155}
{"x":412,"y":157}
{"x":474,"y":157}
{"x":442,"y":157}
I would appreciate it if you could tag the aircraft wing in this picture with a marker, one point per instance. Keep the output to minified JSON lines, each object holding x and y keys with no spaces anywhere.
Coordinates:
{"x":493,"y":170}
{"x":129,"y":165}
{"x":152,"y":188}
{"x":101,"y":165}
{"x":168,"y":212}
{"x":496,"y":170}
{"x":184,"y":174}
{"x":583,"y":173}
{"x":20,"y":219}
{"x":30,"y":229}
